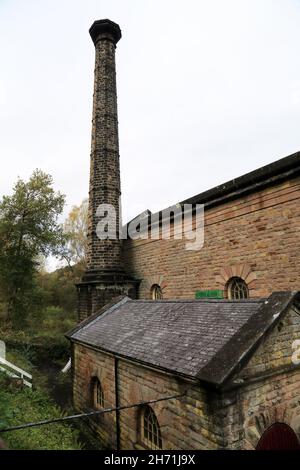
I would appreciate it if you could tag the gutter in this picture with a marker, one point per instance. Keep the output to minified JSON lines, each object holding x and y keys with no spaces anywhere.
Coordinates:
{"x":117,"y":404}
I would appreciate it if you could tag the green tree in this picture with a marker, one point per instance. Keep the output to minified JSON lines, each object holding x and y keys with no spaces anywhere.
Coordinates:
{"x":29,"y":229}
{"x":75,"y":228}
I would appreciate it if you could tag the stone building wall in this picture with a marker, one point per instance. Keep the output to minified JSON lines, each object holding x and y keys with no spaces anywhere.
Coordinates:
{"x":255,"y":407}
{"x":87,"y":364}
{"x":255,"y":237}
{"x":271,"y":392}
{"x":265,"y":393}
{"x":194,"y":422}
{"x":276,"y":351}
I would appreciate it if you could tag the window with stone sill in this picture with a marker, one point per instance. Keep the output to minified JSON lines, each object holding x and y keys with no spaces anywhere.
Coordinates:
{"x":150,"y":429}
{"x":237,"y":289}
{"x":156,"y":292}
{"x":97,"y":395}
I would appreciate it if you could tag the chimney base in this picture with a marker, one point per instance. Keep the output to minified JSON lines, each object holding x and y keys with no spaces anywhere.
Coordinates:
{"x":100,"y":287}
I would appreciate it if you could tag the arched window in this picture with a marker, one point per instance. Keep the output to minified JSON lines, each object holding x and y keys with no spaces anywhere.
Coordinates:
{"x":237,"y":289}
{"x":150,"y":430}
{"x":97,"y":395}
{"x":279,"y":436}
{"x":156,"y":292}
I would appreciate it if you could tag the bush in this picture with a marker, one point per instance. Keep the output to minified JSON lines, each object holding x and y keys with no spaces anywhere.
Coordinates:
{"x":24,"y":361}
{"x":54,"y":319}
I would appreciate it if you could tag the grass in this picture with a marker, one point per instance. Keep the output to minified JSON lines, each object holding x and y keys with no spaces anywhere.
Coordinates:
{"x":19,"y":360}
{"x":51,"y":324}
{"x":23,"y":405}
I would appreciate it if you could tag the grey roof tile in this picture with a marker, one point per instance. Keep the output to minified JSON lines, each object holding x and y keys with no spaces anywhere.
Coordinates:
{"x":197,"y":338}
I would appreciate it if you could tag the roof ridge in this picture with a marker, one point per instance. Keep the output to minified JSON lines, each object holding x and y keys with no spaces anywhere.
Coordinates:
{"x":208,"y":340}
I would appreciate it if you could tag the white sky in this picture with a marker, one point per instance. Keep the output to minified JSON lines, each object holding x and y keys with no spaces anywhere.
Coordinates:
{"x":207,"y":89}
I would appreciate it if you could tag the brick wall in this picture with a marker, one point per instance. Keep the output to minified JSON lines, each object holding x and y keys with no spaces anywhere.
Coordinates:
{"x":256,"y":237}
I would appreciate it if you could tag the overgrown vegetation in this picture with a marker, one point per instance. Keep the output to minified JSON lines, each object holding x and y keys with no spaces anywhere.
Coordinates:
{"x":75,"y":227}
{"x":46,"y":327}
{"x":29,"y":232}
{"x":29,"y":229}
{"x":20,"y":405}
{"x":37,"y":308}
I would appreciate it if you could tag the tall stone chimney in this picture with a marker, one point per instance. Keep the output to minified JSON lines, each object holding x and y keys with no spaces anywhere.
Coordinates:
{"x":105,"y":277}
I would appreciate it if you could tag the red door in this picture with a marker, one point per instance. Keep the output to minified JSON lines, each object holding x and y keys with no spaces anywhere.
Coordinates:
{"x":279,"y":436}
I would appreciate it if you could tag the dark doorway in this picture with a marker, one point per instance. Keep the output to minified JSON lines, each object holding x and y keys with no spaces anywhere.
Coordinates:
{"x":279,"y":436}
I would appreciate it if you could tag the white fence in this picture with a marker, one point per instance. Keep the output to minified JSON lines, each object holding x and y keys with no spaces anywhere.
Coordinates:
{"x":15,"y":372}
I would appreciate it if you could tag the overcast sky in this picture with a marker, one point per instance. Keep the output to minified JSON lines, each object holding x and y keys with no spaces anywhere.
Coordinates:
{"x":207,"y":91}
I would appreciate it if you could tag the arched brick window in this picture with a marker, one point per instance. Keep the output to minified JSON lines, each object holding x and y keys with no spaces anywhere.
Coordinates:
{"x":156,"y":292}
{"x":97,"y":395}
{"x":150,"y":430}
{"x":237,"y":289}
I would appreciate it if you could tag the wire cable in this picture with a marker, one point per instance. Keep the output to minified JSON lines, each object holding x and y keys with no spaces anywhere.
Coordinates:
{"x":86,"y":415}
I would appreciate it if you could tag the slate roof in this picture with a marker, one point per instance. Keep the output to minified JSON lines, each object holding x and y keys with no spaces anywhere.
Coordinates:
{"x":203,"y":339}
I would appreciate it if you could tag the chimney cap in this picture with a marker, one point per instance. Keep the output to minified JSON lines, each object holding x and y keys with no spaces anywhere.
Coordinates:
{"x":107,"y":29}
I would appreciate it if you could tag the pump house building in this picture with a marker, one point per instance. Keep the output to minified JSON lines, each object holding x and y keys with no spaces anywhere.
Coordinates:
{"x":201,"y":348}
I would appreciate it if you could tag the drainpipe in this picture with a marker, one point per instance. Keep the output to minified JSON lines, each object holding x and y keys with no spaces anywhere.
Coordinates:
{"x":117,"y":404}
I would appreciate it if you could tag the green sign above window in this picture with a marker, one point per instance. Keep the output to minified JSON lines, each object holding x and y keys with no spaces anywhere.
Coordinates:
{"x":209,"y":294}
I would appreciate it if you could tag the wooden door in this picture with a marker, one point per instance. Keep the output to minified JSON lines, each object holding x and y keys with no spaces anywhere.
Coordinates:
{"x":279,"y":436}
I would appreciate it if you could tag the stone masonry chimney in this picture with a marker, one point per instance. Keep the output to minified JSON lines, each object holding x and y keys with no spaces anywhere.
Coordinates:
{"x":105,"y":277}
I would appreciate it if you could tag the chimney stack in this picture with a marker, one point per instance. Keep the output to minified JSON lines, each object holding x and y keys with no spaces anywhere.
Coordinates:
{"x":105,"y":277}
